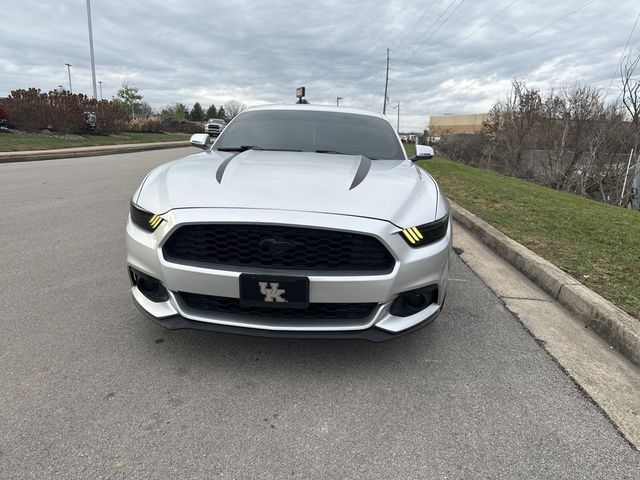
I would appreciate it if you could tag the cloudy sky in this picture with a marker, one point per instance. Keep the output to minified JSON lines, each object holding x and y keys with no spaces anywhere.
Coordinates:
{"x":446,"y":56}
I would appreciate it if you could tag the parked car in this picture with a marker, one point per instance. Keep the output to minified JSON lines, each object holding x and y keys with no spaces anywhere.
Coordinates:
{"x":214,"y":126}
{"x":300,"y":221}
{"x":90,"y":121}
{"x":3,"y":117}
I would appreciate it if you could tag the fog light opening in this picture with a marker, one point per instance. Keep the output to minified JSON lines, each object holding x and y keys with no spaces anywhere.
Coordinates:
{"x":414,"y":301}
{"x":150,"y":287}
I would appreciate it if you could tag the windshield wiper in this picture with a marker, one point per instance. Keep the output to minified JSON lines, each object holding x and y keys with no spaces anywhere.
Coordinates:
{"x":343,"y":153}
{"x":244,"y":148}
{"x":334,"y":152}
{"x":241,"y":148}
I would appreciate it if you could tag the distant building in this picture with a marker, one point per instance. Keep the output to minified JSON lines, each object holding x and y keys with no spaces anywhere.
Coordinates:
{"x":467,"y":123}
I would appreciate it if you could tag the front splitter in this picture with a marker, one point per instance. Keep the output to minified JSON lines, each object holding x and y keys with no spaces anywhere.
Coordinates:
{"x":372,"y":334}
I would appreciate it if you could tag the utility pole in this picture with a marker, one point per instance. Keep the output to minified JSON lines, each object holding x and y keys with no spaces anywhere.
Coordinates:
{"x":338,"y":101}
{"x":100,"y":82}
{"x":636,"y":184}
{"x":386,"y":84}
{"x":69,"y":72}
{"x":93,"y":63}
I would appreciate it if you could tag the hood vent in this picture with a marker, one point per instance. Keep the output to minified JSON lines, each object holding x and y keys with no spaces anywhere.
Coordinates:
{"x":361,"y":173}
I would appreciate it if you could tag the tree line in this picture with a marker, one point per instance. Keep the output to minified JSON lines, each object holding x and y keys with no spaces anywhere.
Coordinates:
{"x":131,"y":99}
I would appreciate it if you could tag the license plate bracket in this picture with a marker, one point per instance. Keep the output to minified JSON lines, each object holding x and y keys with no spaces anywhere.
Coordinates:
{"x":274,"y":291}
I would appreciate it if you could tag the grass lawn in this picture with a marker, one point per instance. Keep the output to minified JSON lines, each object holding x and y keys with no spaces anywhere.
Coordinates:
{"x":11,"y":142}
{"x":598,"y":244}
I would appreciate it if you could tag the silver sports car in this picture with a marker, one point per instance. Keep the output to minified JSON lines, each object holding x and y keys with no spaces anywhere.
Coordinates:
{"x":300,"y":221}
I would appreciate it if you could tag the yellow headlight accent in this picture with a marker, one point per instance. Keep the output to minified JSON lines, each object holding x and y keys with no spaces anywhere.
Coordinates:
{"x":417,"y":233}
{"x":410,"y":235}
{"x":155,"y":221}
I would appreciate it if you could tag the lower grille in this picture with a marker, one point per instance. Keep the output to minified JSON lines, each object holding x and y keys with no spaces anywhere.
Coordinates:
{"x":320,"y":311}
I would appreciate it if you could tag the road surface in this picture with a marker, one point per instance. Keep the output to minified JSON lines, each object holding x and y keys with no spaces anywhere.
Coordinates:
{"x":89,"y":388}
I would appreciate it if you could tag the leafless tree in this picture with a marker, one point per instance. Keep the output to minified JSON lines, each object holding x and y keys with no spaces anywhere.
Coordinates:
{"x":631,"y":101}
{"x":631,"y":91}
{"x":233,"y":108}
{"x":569,"y":139}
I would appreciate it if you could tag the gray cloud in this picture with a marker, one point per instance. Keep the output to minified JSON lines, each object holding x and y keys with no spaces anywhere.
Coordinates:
{"x":258,"y":52}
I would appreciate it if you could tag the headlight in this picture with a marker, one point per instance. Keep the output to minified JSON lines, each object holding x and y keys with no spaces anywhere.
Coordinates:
{"x":147,"y":221}
{"x":426,"y":234}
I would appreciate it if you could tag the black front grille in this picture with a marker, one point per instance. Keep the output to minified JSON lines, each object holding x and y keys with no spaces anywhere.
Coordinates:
{"x":281,"y":247}
{"x":320,"y":311}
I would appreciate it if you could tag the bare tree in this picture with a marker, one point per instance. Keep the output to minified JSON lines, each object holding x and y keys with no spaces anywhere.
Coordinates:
{"x":631,"y":102}
{"x":233,"y":108}
{"x":511,"y":125}
{"x":144,"y":110}
{"x":568,"y":140}
{"x":584,"y":107}
{"x":631,"y":91}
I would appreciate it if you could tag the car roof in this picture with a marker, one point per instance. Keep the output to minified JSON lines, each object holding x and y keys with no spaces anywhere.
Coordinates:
{"x":316,"y":108}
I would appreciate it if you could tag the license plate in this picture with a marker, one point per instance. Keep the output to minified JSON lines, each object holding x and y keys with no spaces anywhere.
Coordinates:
{"x":274,"y":291}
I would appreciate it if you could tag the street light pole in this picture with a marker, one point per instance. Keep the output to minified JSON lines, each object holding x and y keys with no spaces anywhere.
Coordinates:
{"x":69,"y":72}
{"x":93,"y":63}
{"x":100,"y":89}
{"x":338,"y":101}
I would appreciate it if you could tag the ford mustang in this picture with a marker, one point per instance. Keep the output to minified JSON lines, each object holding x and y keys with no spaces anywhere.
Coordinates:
{"x":299,"y":221}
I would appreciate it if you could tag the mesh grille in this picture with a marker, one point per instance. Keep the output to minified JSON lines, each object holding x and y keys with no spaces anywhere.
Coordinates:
{"x":327,"y":311}
{"x":279,"y":247}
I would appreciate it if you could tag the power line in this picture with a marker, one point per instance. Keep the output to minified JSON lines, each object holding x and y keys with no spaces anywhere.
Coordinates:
{"x":483,"y":26}
{"x":412,"y":49}
{"x":544,"y":28}
{"x":529,"y":35}
{"x":615,"y":72}
{"x":415,"y":24}
{"x":366,"y":77}
{"x":432,"y":33}
{"x":440,"y":26}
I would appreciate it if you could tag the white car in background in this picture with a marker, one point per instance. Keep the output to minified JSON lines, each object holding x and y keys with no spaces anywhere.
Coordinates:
{"x":214,"y":126}
{"x":300,"y":221}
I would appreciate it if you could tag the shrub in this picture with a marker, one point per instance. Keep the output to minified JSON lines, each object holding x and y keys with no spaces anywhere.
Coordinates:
{"x":28,"y":110}
{"x":110,"y":116}
{"x":144,"y":125}
{"x":63,"y":112}
{"x":183,"y":127}
{"x":66,"y":111}
{"x":31,"y":110}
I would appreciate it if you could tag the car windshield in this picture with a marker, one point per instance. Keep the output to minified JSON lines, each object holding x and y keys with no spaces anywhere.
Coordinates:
{"x":313,"y":131}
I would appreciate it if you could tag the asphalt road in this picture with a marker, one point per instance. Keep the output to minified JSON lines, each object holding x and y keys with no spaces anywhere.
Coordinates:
{"x":89,"y":388}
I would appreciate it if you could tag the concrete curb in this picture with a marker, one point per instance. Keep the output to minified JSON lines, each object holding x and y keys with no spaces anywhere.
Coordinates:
{"x":35,"y":155}
{"x":620,"y":329}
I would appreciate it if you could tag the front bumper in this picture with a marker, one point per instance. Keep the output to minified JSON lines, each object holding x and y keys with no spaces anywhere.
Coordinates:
{"x":372,"y":334}
{"x":212,"y":131}
{"x":414,"y":268}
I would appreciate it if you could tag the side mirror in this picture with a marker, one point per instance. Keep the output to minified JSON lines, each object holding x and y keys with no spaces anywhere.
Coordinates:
{"x":200,"y":140}
{"x":423,"y":152}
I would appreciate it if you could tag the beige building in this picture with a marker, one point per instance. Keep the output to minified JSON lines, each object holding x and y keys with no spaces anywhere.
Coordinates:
{"x":468,"y":123}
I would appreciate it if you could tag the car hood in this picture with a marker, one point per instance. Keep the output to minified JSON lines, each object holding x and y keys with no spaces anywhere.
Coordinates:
{"x":391,"y":190}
